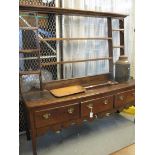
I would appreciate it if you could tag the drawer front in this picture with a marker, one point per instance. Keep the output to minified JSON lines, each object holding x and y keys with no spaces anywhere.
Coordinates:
{"x":97,"y":105}
{"x":56,"y":115}
{"x":124,"y":98}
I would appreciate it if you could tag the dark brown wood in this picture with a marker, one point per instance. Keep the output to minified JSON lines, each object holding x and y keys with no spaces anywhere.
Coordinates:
{"x":121,"y":26}
{"x":61,"y":49}
{"x":54,"y":115}
{"x":75,"y":61}
{"x":83,"y":81}
{"x":109,"y":83}
{"x":78,"y":121}
{"x":53,"y":127}
{"x":45,"y":98}
{"x":110,"y":43}
{"x":50,"y":113}
{"x":62,"y":11}
{"x":33,"y":133}
{"x":27,"y":123}
{"x":124,"y":98}
{"x":70,"y":39}
{"x":47,"y":112}
{"x":98,"y":105}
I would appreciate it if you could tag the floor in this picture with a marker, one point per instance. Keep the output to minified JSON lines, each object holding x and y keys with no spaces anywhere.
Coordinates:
{"x":101,"y":137}
{"x":129,"y":150}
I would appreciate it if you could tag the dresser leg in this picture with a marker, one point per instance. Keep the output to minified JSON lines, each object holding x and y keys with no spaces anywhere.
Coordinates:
{"x":33,"y":134}
{"x":34,"y":145}
{"x":26,"y":125}
{"x":28,"y":134}
{"x":118,"y":111}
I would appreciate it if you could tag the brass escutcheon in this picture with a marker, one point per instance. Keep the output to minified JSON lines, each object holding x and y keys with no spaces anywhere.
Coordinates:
{"x":106,"y":102}
{"x":46,"y":116}
{"x":90,"y":105}
{"x":121,"y":98}
{"x":70,"y":110}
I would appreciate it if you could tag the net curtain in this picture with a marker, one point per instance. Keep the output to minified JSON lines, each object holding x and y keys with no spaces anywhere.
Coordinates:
{"x":78,"y":27}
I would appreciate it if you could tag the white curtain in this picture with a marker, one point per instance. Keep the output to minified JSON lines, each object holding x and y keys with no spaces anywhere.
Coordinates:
{"x":77,"y":26}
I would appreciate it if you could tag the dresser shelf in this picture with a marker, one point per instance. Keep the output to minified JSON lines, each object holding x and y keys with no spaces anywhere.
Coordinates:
{"x":46,"y":112}
{"x":72,"y":12}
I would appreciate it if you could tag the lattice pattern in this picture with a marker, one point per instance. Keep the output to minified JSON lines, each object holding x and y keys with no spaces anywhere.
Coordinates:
{"x":27,"y":40}
{"x":38,"y":2}
{"x":47,"y":29}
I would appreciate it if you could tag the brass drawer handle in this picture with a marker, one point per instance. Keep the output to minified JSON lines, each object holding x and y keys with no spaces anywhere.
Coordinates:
{"x":71,"y":110}
{"x":90,"y":106}
{"x":106,"y":102}
{"x":47,"y":116}
{"x":107,"y":114}
{"x":121,"y":98}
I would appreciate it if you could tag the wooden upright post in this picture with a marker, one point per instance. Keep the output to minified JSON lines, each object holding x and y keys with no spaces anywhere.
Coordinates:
{"x":121,"y":26}
{"x":110,"y":45}
{"x":39,"y":55}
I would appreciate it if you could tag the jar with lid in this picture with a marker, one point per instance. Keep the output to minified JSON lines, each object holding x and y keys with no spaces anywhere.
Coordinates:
{"x":122,"y":69}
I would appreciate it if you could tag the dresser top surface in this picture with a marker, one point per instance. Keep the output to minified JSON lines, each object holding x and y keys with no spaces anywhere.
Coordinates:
{"x":45,"y":98}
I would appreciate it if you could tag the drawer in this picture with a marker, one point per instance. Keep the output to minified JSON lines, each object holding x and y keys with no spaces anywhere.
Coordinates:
{"x":97,"y":105}
{"x":56,"y":115}
{"x":124,"y":98}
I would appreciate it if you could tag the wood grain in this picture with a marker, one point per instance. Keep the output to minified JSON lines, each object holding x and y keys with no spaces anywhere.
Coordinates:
{"x":98,"y":105}
{"x":47,"y":111}
{"x":65,"y":91}
{"x":57,"y":115}
{"x":75,"y":61}
{"x":83,"y":81}
{"x":70,"y":39}
{"x":124,"y":98}
{"x":60,"y":11}
{"x":44,"y":98}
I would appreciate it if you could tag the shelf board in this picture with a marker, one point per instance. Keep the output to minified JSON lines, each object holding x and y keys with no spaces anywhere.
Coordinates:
{"x":29,"y":50}
{"x":41,"y":57}
{"x":118,"y":46}
{"x":117,"y":29}
{"x":68,"y":39}
{"x":28,"y":72}
{"x":28,"y":28}
{"x":62,"y":11}
{"x":76,"y":61}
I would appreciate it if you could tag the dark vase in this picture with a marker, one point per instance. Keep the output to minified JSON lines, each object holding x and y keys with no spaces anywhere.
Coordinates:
{"x":122,"y":69}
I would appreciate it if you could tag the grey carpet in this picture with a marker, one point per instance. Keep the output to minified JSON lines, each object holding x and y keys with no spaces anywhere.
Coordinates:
{"x":100,"y":137}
